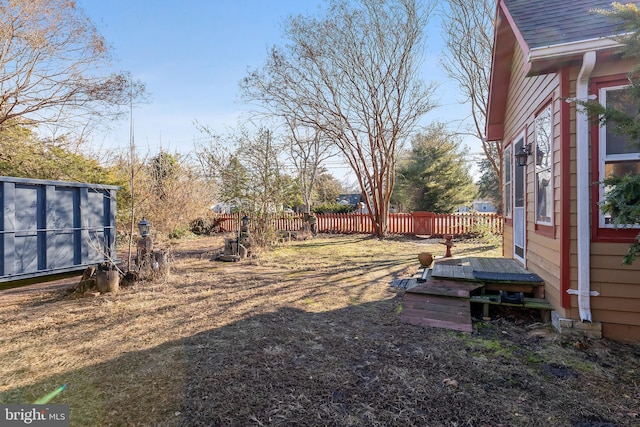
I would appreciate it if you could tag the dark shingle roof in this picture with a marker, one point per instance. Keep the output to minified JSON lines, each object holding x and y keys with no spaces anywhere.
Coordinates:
{"x":551,"y":22}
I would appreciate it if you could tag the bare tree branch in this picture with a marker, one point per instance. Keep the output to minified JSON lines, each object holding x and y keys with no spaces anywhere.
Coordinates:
{"x":308,"y":149}
{"x":51,"y":56}
{"x":352,"y":76}
{"x":468,"y":32}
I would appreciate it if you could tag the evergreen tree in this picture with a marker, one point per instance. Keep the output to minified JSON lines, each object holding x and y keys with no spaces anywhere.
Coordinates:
{"x":434,"y":176}
{"x":489,"y":187}
{"x":327,"y":188}
{"x":24,"y":155}
{"x":164,"y":167}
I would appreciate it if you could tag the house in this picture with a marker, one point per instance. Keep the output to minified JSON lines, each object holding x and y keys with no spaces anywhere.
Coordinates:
{"x":546,"y":54}
{"x":481,"y":206}
{"x":352,"y":199}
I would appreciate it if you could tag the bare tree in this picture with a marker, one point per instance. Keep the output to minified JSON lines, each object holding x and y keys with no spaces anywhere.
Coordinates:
{"x":352,"y":75}
{"x":308,"y":148}
{"x":468,"y":32}
{"x":50,"y":57}
{"x":245,"y":166}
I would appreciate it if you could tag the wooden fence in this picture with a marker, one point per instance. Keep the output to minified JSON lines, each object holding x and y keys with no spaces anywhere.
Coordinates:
{"x":417,"y":223}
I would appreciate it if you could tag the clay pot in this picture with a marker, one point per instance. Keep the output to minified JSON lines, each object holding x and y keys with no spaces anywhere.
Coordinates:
{"x":425,"y":258}
{"x":107,"y":281}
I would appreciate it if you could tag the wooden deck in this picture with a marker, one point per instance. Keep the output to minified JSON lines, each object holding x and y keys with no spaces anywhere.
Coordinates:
{"x":495,"y":274}
{"x":444,"y":299}
{"x":477,"y":269}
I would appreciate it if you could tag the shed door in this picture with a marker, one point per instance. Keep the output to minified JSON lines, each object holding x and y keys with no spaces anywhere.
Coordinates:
{"x":519,"y":213}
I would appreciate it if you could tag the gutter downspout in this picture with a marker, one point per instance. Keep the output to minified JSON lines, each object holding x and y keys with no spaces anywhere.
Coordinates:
{"x":582,"y":166}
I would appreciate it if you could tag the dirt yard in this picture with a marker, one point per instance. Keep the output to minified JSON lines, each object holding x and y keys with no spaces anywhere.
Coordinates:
{"x":306,"y":335}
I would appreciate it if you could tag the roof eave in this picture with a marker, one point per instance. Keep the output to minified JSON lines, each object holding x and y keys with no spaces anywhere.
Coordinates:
{"x":506,"y":35}
{"x":572,"y":49}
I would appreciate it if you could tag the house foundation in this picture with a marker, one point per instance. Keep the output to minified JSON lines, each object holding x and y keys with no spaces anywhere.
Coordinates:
{"x":574,"y":327}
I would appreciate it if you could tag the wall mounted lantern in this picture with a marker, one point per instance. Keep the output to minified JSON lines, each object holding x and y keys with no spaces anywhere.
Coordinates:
{"x":521,"y":157}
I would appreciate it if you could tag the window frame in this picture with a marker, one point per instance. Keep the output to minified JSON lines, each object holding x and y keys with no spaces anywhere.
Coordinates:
{"x":602,"y":232}
{"x":550,"y":204}
{"x":507,"y":179}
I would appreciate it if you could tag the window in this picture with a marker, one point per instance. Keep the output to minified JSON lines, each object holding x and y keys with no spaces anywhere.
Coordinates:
{"x":617,"y":156}
{"x":544,"y":165}
{"x":507,"y":182}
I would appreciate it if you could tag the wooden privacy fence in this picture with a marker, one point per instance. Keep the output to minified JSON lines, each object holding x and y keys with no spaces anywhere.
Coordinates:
{"x":420,"y":223}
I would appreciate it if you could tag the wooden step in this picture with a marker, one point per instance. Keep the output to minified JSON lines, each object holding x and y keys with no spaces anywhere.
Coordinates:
{"x":440,"y":304}
{"x":450,"y":288}
{"x":437,"y":311}
{"x":404,"y":283}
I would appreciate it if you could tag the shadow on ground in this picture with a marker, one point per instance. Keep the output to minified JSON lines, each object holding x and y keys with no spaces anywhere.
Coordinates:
{"x":358,"y":366}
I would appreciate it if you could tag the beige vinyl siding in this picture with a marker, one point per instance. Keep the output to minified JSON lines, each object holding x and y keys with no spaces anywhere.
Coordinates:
{"x":618,"y":305}
{"x":527,"y":95}
{"x":618,"y":286}
{"x":542,"y":249}
{"x":507,"y":241}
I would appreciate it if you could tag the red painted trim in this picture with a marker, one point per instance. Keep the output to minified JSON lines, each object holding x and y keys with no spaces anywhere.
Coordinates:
{"x":516,"y":31}
{"x":501,"y":61}
{"x":546,"y":230}
{"x":616,"y":235}
{"x":543,"y":105}
{"x":607,"y":235}
{"x":565,"y":190}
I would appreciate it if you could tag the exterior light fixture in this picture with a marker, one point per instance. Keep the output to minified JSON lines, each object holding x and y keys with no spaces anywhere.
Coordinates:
{"x":245,"y":222}
{"x":144,"y":227}
{"x":521,"y":157}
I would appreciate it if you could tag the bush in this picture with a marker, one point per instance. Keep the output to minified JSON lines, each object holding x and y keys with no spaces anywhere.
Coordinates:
{"x":200,"y":226}
{"x":481,"y":230}
{"x":333,"y":208}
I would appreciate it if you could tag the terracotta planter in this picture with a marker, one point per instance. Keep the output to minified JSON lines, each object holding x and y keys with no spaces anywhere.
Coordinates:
{"x":425,"y":258}
{"x":107,"y":281}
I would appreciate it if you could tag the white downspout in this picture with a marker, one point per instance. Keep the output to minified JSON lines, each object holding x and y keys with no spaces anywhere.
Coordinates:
{"x":582,"y":167}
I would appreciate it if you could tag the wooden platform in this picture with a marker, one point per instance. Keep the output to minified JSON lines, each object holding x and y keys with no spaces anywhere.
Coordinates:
{"x":439,"y":303}
{"x":495,"y":274}
{"x":444,"y":300}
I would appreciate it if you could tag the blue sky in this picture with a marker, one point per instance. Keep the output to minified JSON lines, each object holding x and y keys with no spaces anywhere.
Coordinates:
{"x":192,"y":54}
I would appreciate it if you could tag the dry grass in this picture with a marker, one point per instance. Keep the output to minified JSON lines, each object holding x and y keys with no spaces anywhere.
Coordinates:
{"x":308,"y":334}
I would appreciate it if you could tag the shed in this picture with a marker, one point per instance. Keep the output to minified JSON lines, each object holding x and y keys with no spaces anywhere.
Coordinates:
{"x":52,"y":227}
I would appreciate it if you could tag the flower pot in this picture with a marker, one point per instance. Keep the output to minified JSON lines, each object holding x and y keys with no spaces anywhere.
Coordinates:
{"x":425,"y":258}
{"x":107,"y":281}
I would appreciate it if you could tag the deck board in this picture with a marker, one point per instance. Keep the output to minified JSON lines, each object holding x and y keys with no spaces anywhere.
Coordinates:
{"x":453,"y":269}
{"x":471,"y":268}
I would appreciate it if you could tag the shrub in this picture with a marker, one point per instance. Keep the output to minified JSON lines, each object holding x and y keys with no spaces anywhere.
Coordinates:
{"x":333,"y":208}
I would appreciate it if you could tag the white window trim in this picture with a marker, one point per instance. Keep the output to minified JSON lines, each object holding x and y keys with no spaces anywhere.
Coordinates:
{"x":603,"y":158}
{"x":508,"y":211}
{"x":551,"y":184}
